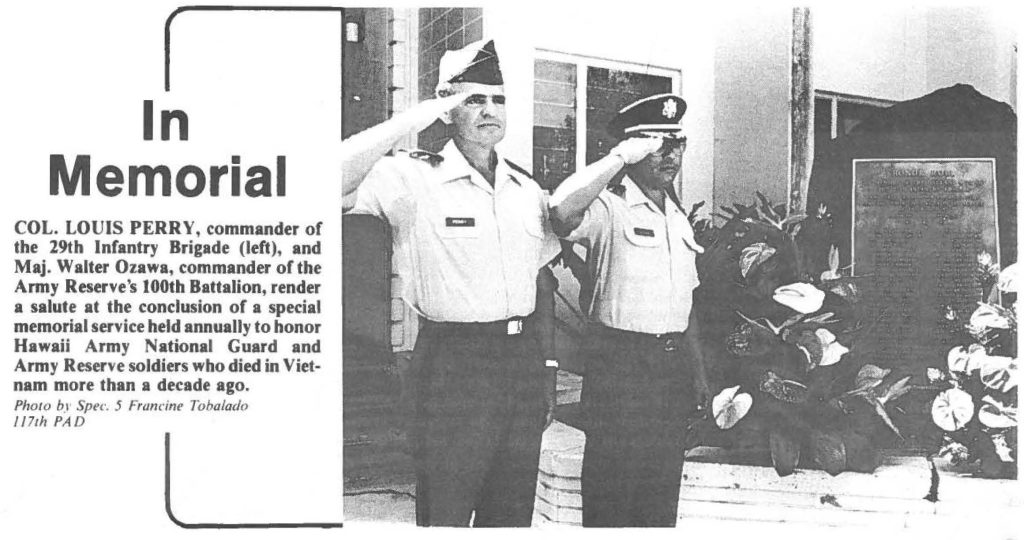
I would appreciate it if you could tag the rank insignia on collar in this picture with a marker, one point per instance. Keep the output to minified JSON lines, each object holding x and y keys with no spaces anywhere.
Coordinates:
{"x":668,"y":110}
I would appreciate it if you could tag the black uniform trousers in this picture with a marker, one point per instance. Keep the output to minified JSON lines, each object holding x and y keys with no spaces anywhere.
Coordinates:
{"x":480,"y":411}
{"x":637,"y":393}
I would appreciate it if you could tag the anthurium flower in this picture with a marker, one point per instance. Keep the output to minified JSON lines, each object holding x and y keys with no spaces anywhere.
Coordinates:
{"x":729,"y":407}
{"x":1003,"y":449}
{"x":998,"y":372}
{"x":801,"y":297}
{"x":963,"y":359}
{"x":831,"y":350}
{"x":1009,"y":279}
{"x":989,"y":316}
{"x":833,"y":265}
{"x":952,"y":409}
{"x":996,"y":415}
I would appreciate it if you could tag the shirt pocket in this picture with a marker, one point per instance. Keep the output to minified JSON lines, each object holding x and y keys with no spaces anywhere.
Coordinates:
{"x":643,"y":235}
{"x":533,"y":223}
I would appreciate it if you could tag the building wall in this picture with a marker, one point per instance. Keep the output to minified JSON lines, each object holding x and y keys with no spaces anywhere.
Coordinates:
{"x":894,"y":52}
{"x":752,"y":97}
{"x":440,"y":30}
{"x":904,"y":53}
{"x":639,"y":36}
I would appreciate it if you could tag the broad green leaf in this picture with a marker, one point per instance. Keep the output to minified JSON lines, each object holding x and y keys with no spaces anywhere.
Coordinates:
{"x":795,"y":218}
{"x":783,"y":389}
{"x":785,"y":453}
{"x":766,"y":205}
{"x":884,"y":415}
{"x":868,"y":377}
{"x":895,"y":390}
{"x":789,"y":322}
{"x":952,"y":409}
{"x":829,"y":451}
{"x":861,"y":454}
{"x":823,"y":318}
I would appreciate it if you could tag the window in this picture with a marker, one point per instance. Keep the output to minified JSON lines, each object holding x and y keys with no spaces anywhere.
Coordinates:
{"x":835,"y":114}
{"x":566,"y":84}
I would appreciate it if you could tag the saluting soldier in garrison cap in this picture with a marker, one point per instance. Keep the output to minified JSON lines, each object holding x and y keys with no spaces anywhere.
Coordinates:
{"x":645,"y":371}
{"x":472,"y":240}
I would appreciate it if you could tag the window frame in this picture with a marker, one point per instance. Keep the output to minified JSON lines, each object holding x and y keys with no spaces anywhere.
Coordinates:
{"x":582,"y":62}
{"x":835,"y":98}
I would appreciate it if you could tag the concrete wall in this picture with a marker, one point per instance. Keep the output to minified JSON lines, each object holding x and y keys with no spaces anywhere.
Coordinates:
{"x":661,"y":35}
{"x":895,"y":52}
{"x":752,"y":95}
{"x":902,"y":53}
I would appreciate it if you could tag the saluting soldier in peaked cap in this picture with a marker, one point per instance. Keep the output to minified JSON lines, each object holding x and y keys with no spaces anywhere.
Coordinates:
{"x":645,"y":371}
{"x":472,"y":240}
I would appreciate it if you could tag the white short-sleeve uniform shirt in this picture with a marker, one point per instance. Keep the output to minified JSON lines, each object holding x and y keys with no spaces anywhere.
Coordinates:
{"x":641,"y":261}
{"x":466,"y":251}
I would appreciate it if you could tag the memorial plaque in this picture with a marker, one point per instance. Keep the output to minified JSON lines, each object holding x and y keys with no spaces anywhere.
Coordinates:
{"x":919,"y":228}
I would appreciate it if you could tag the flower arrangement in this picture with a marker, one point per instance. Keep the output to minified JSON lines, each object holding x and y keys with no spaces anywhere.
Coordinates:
{"x":788,"y":320}
{"x":977,"y":406}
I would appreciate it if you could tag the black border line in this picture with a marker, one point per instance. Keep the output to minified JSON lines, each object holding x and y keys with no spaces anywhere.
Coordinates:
{"x":182,"y":524}
{"x":167,"y":436}
{"x":183,"y":9}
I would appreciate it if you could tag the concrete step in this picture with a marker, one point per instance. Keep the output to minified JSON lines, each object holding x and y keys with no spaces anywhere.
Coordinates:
{"x":714,"y":488}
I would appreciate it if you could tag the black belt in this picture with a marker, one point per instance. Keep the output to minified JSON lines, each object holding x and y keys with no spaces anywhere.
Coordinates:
{"x":670,"y":341}
{"x":508,"y":327}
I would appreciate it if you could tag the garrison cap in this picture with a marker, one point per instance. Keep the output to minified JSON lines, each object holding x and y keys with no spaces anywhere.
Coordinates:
{"x":660,"y":113}
{"x":474,"y":63}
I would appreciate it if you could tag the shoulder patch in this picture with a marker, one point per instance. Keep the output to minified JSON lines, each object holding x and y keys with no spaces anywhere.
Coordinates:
{"x":425,"y":156}
{"x":518,"y":169}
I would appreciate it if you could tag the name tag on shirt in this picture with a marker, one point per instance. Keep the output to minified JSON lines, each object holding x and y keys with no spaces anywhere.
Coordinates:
{"x":649,"y":233}
{"x":459,"y":222}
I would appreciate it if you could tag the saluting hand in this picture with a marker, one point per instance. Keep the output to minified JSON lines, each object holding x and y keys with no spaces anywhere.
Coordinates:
{"x":421,"y":115}
{"x":636,"y":149}
{"x":361,"y":151}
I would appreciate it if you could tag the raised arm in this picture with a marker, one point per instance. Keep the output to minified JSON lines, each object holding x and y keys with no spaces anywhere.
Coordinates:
{"x":572,"y":197}
{"x":361,"y":151}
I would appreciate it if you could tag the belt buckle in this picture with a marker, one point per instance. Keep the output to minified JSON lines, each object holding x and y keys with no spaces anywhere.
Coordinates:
{"x":514,"y":327}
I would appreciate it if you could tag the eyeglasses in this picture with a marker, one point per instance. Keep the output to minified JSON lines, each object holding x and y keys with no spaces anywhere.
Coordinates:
{"x":671,"y":145}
